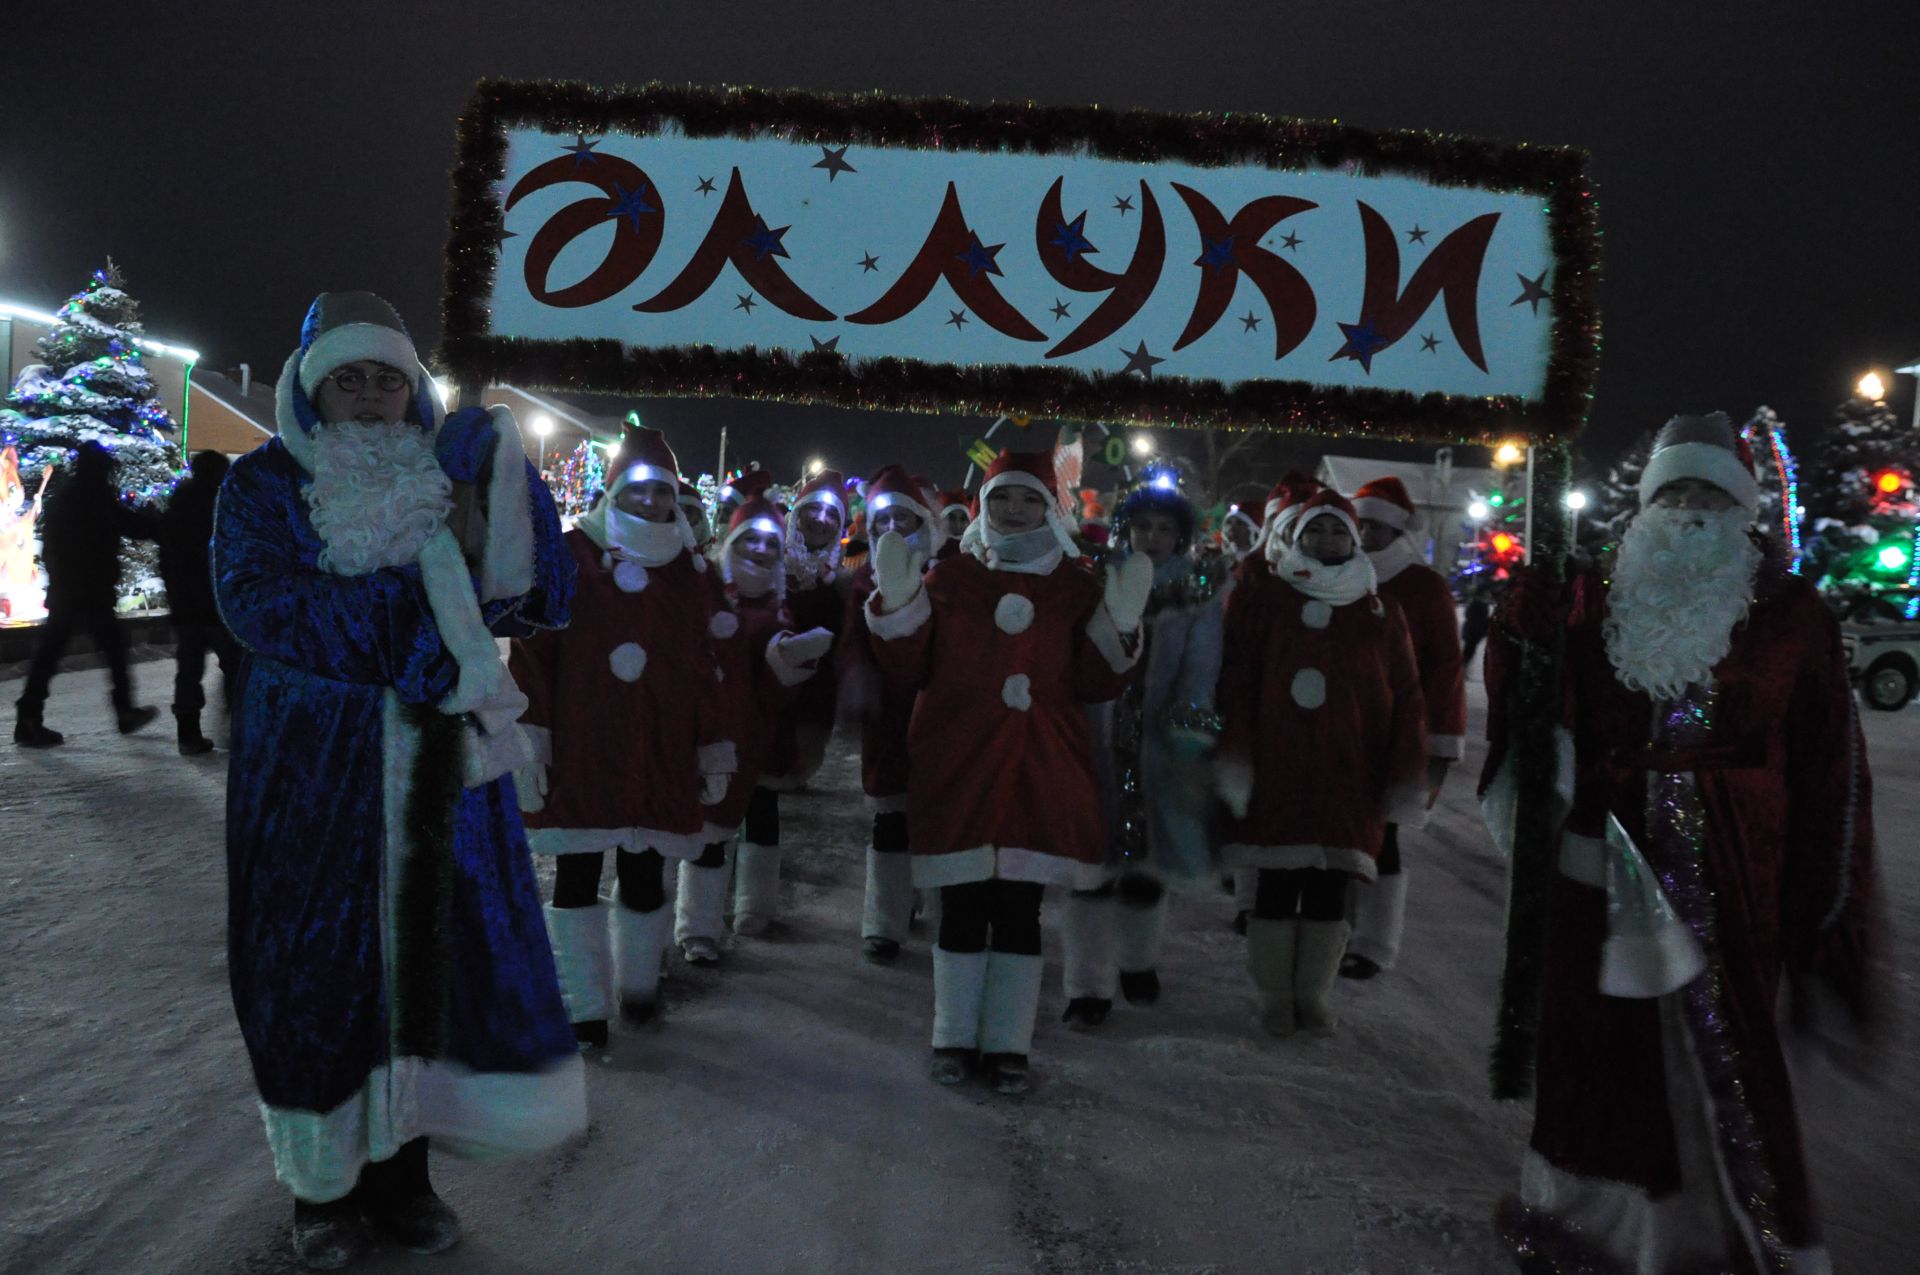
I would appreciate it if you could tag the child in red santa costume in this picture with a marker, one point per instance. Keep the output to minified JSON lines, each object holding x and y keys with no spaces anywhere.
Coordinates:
{"x":1323,"y":741}
{"x":762,"y":663}
{"x":816,"y":597}
{"x":629,"y":731}
{"x":896,"y":503}
{"x":1388,"y":539}
{"x":955,"y":511}
{"x":1005,"y":643}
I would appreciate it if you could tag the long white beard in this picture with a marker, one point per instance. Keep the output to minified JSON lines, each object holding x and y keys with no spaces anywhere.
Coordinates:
{"x":377,"y":495}
{"x":1683,"y":580}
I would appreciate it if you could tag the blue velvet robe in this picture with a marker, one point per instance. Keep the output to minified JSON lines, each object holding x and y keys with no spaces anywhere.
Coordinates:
{"x":309,"y":849}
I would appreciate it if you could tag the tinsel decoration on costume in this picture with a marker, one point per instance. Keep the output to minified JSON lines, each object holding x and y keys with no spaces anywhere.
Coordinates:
{"x":824,"y":375}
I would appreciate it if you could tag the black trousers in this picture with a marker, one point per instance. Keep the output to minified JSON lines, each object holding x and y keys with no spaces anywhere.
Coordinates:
{"x":761,"y":826}
{"x":1003,"y":914}
{"x":64,"y":619}
{"x":642,"y":876}
{"x":1312,"y":894}
{"x":1390,"y":851}
{"x":889,"y":832}
{"x":191,"y":642}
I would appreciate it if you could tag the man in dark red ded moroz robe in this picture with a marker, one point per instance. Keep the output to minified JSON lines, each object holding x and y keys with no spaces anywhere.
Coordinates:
{"x":1719,"y":842}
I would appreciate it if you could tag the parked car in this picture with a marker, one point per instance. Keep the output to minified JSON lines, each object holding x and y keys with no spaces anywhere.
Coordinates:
{"x":1884,"y":660}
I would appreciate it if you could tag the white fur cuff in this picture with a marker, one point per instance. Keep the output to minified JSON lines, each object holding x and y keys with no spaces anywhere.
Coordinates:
{"x":1447,"y":747}
{"x":506,"y":567}
{"x":891,"y":625}
{"x":787,"y":674}
{"x":718,"y":759}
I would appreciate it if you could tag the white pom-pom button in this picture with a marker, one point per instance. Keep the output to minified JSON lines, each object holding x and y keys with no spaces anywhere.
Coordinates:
{"x":1013,"y":614}
{"x":1017,"y":692}
{"x":627,"y":661}
{"x":629,"y":577}
{"x":723,"y":625}
{"x":1309,"y":688}
{"x":1316,"y":614}
{"x":699,"y":564}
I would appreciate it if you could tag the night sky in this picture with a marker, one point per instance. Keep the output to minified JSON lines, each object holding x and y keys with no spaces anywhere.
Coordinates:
{"x":1756,"y":162}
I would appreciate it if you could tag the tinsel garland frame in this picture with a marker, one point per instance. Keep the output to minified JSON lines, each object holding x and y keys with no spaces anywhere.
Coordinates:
{"x":1557,"y":174}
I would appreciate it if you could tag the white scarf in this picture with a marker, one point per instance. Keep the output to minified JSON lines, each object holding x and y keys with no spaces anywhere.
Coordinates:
{"x":1395,"y":558}
{"x":1034,"y":553}
{"x":1336,"y":585}
{"x":750,"y":578}
{"x":631,"y":538}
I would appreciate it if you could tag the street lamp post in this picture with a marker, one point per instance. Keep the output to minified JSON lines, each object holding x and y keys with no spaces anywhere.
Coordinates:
{"x":1576,"y":501}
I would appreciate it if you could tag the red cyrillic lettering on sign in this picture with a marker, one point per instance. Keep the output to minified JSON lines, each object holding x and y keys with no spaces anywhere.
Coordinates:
{"x":741,"y":238}
{"x":954,"y":253}
{"x":1451,"y":270}
{"x":1229,"y":249}
{"x":1064,"y":249}
{"x":628,"y":196}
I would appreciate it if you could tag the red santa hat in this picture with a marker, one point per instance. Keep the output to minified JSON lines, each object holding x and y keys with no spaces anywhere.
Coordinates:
{"x":643,"y":457}
{"x":1293,"y":489}
{"x":1385,"y":500}
{"x":949,"y":497}
{"x":757,"y":513}
{"x":1326,"y":503}
{"x":825,"y":487}
{"x":1706,"y":448}
{"x":745,"y":486}
{"x":1034,"y":471}
{"x":1247,"y":514}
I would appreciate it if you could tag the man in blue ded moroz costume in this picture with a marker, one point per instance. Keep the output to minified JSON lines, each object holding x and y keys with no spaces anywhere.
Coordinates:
{"x":390,"y":968}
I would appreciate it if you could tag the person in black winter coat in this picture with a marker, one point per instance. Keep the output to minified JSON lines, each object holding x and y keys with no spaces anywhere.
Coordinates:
{"x":186,"y":530}
{"x":80,"y":545}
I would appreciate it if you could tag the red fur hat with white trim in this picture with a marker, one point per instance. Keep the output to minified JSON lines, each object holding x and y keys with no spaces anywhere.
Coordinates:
{"x":1385,"y":500}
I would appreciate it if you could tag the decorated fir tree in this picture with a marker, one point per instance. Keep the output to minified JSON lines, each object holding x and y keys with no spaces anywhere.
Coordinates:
{"x":1615,"y":496}
{"x":1863,"y":509}
{"x":92,"y":384}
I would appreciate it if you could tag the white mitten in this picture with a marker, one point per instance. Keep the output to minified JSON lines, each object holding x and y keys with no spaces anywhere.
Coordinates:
{"x":495,"y":742}
{"x":530,"y":783}
{"x":713,"y":787}
{"x":896,"y":571}
{"x":1233,"y":780}
{"x":799,"y":649}
{"x":1128,"y":584}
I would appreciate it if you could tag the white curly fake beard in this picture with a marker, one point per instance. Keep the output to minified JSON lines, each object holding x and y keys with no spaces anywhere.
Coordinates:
{"x":1682,"y":581}
{"x":377,"y":495}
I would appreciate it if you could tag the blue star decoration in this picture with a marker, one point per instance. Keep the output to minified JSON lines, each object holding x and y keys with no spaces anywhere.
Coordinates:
{"x":1123,"y":204}
{"x":1532,"y":291}
{"x":830,"y":346}
{"x":630,"y":203}
{"x":1291,"y":241}
{"x":1059,"y":308}
{"x":869,"y":262}
{"x":582,"y":149}
{"x":835,"y":162}
{"x":764,"y":241}
{"x":1218,"y":256}
{"x":979,"y":257}
{"x":1363,"y":342}
{"x":1072,"y":237}
{"x":1249,"y":321}
{"x":1139,"y":361}
{"x":956,"y":319}
{"x":1416,"y":235}
{"x":1429,"y":343}
{"x":744,"y":301}
{"x":705,"y":187}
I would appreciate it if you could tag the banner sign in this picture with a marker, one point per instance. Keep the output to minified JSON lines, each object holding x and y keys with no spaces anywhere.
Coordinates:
{"x":1067,"y":263}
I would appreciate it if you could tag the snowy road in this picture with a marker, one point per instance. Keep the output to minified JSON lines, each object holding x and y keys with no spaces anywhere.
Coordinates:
{"x":781,"y":1120}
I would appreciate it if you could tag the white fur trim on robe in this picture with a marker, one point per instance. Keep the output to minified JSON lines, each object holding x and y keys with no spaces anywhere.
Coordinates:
{"x":674,"y":845}
{"x":1332,"y":858}
{"x":889,"y":625}
{"x":1447,"y":747}
{"x":783,"y":672}
{"x":988,"y":863}
{"x":506,"y":563}
{"x":719,"y":758}
{"x":478,"y":1115}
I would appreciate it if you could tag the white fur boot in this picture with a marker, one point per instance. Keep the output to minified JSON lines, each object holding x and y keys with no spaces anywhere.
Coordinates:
{"x":959,"y":979}
{"x":699,"y":910}
{"x":1087,"y":923}
{"x":1008,"y":1007}
{"x":582,"y":961}
{"x":1316,"y":965}
{"x":1270,"y":947}
{"x":1140,"y":933}
{"x":639,"y":941}
{"x":889,"y":901}
{"x":756,"y":887}
{"x":1379,"y":918}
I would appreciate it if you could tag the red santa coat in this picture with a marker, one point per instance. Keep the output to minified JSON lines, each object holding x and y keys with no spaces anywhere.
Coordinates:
{"x":624,"y":708}
{"x":1426,"y":603}
{"x":884,"y":707}
{"x":1001,"y":780}
{"x":1324,"y":703}
{"x":799,"y":742}
{"x":1785,"y":891}
{"x":756,"y":685}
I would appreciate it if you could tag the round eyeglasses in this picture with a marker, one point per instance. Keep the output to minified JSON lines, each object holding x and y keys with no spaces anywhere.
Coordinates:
{"x":351,"y":381}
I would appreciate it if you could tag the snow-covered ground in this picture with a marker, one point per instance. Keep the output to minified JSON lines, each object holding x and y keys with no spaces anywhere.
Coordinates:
{"x":780,"y":1120}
